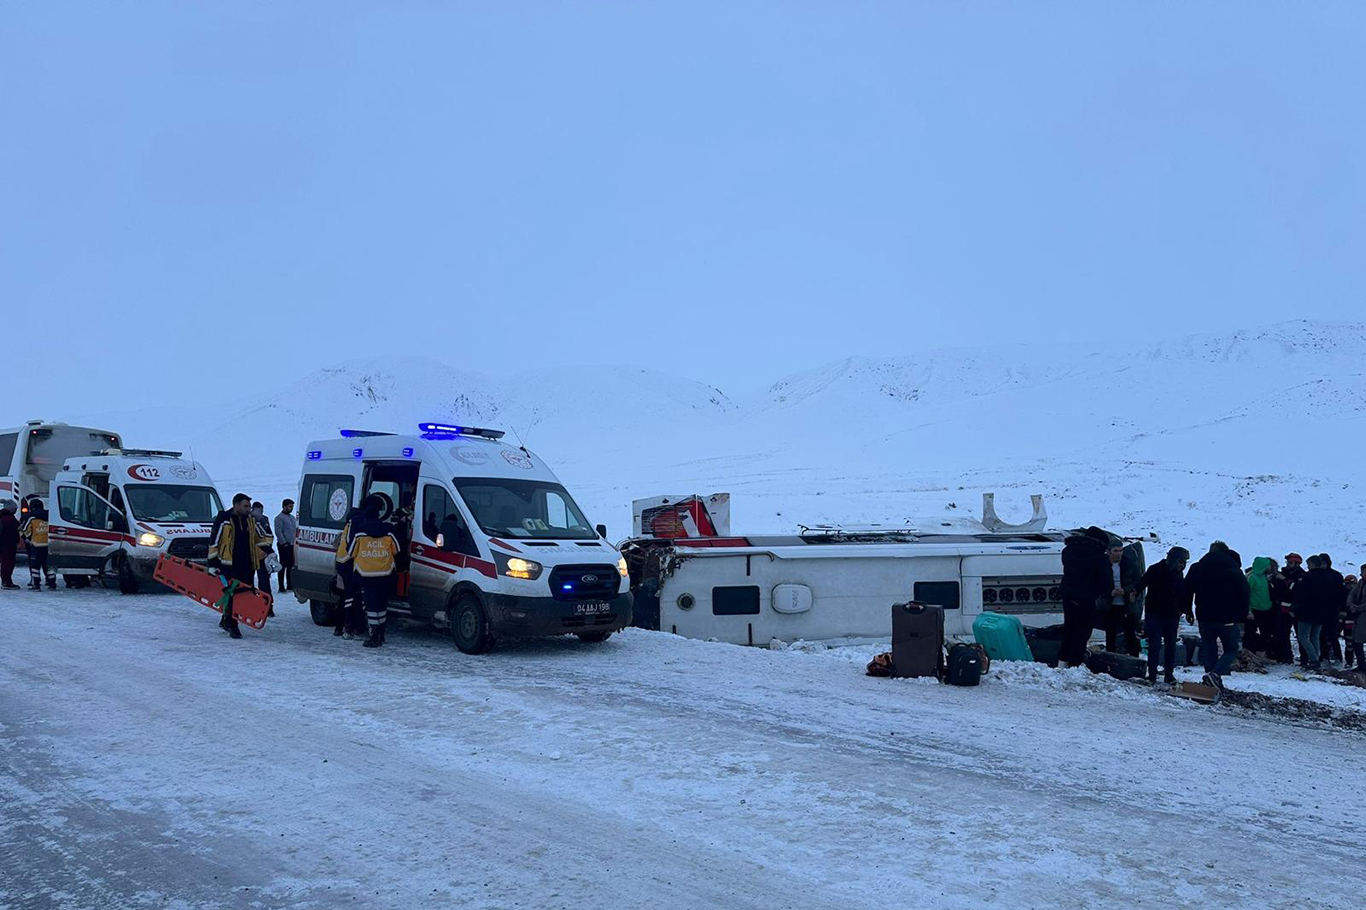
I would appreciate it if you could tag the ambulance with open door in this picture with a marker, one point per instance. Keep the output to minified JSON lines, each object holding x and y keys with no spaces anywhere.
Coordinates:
{"x":114,"y":513}
{"x":497,"y":546}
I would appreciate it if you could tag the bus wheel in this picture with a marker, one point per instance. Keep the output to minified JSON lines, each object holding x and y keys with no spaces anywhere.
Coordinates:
{"x":469,"y":625}
{"x":324,"y":613}
{"x":128,"y":582}
{"x":593,"y":638}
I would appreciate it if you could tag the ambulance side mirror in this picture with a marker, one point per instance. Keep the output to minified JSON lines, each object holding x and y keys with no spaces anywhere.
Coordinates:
{"x":602,"y":531}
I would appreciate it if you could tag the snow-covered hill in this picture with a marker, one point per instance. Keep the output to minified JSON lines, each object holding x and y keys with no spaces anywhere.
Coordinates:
{"x":1252,"y":436}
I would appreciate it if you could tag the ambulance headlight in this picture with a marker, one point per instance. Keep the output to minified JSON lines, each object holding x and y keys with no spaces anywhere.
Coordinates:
{"x":621,"y":567}
{"x":517,"y":567}
{"x":148,"y":539}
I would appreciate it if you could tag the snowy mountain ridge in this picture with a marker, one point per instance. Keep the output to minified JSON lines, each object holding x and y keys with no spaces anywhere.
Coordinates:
{"x":1252,"y":435}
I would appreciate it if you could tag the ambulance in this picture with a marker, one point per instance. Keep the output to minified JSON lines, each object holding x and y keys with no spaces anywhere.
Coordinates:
{"x":115,"y":512}
{"x":31,"y":456}
{"x":495,"y":545}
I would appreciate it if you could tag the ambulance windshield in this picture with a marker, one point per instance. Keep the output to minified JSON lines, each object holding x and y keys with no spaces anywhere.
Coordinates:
{"x":171,"y":502}
{"x":524,"y":508}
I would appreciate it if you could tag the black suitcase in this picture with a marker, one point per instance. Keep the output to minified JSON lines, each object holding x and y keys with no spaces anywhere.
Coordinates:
{"x":1120,"y":666}
{"x":964,"y":665}
{"x":1045,"y":644}
{"x":917,"y":639}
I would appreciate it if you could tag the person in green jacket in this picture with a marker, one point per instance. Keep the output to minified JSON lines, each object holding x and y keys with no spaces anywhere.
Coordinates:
{"x":1260,"y":603}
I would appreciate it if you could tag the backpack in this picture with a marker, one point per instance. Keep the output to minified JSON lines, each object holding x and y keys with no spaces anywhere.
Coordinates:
{"x":965,"y":666}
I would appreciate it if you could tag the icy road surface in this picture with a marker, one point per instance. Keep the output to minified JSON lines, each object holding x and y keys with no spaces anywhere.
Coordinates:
{"x":148,"y":761}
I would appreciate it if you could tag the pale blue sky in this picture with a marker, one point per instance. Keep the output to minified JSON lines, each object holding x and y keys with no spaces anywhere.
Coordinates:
{"x":730,"y":191}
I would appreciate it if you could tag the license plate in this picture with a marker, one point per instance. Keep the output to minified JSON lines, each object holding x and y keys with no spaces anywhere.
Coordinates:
{"x":599,"y":607}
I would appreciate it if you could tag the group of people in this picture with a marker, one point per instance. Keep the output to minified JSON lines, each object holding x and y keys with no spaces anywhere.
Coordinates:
{"x":32,"y":532}
{"x":1258,"y":608}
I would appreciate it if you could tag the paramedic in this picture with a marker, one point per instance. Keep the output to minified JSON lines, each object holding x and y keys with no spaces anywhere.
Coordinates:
{"x":266,"y":544}
{"x":9,"y":543}
{"x":235,"y":551}
{"x":350,"y":614}
{"x":1086,"y":581}
{"x":1163,"y":607}
{"x":286,"y":530}
{"x":374,"y":552}
{"x":34,"y":532}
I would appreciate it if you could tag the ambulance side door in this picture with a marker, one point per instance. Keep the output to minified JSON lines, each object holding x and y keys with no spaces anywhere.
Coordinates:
{"x":84,"y":529}
{"x":441,"y":542}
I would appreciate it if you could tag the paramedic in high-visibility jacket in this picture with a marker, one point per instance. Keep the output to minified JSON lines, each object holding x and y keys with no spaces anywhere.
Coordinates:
{"x":34,"y":532}
{"x":235,"y":551}
{"x":351,"y":612}
{"x":374,"y":553}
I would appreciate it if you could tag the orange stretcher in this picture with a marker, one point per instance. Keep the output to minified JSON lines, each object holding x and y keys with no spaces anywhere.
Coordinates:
{"x":249,"y":605}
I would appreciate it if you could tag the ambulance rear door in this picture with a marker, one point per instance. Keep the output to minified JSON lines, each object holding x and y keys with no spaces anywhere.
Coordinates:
{"x":84,"y":529}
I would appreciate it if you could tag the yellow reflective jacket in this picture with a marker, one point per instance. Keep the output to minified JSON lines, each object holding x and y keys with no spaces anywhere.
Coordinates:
{"x":224,"y":535}
{"x":374,"y":557}
{"x":35,"y":531}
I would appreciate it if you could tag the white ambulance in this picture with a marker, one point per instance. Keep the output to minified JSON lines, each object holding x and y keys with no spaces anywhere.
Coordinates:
{"x":31,"y":456}
{"x":497,"y":547}
{"x":114,"y":513}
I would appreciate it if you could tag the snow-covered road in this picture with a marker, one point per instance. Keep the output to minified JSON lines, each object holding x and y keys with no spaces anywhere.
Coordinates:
{"x":148,"y":761}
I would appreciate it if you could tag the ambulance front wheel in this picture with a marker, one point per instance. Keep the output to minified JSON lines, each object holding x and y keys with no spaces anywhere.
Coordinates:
{"x":324,"y":613}
{"x":469,"y":625}
{"x":128,"y":582}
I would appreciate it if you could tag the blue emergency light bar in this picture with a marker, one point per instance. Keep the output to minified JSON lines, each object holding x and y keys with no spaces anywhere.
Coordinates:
{"x":450,"y":431}
{"x":314,"y":455}
{"x":355,"y":434}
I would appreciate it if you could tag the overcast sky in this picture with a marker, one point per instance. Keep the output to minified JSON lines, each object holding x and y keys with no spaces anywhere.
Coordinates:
{"x":729,"y":191}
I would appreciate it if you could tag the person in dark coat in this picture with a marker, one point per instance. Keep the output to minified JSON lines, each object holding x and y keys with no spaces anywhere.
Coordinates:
{"x":1120,"y":615}
{"x":234,"y":551}
{"x":1219,"y":590}
{"x":1283,"y":592}
{"x":1318,"y":598}
{"x":9,"y":544}
{"x":1356,"y":610}
{"x":1165,"y":587}
{"x":1330,"y":647}
{"x":1087,"y":582}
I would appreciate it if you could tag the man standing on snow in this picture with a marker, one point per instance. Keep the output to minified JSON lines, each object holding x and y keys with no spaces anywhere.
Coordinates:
{"x":9,"y":544}
{"x":34,"y":531}
{"x":1261,"y":604}
{"x":1086,"y":581}
{"x":266,"y":543}
{"x":286,"y":530}
{"x":1284,"y":595}
{"x":1119,"y":617}
{"x":1166,"y":589}
{"x":1219,"y":590}
{"x":374,"y":550}
{"x":234,"y":551}
{"x":1318,"y":597}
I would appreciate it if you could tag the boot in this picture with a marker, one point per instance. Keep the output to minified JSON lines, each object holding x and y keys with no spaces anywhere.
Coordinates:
{"x":233,"y":631}
{"x":383,"y":632}
{"x":52,"y":584}
{"x":223,"y":623}
{"x":376,"y":637}
{"x":1169,"y":678}
{"x":337,"y":631}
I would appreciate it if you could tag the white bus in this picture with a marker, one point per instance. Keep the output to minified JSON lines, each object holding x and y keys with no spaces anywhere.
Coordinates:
{"x":33,"y":454}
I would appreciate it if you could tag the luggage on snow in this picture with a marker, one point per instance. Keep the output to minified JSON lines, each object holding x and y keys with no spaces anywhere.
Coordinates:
{"x":1002,"y":636}
{"x":1120,"y":666}
{"x":965,"y":665}
{"x":917,"y":639}
{"x":1045,"y":644}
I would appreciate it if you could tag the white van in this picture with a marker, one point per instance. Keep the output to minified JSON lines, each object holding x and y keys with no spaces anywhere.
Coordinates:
{"x":117,"y":511}
{"x":31,"y":456}
{"x":498,"y":546}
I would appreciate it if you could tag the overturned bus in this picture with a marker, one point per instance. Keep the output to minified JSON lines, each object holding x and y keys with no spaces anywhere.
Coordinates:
{"x":829,"y":583}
